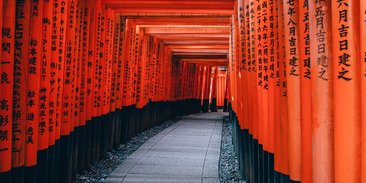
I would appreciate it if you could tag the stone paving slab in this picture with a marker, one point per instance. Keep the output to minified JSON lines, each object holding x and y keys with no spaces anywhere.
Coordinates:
{"x":187,"y":151}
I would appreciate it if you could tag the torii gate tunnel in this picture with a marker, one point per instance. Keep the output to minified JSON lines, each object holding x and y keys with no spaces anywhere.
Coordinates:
{"x":81,"y":77}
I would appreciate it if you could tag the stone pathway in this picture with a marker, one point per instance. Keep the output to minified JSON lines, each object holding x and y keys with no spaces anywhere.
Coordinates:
{"x":187,"y":151}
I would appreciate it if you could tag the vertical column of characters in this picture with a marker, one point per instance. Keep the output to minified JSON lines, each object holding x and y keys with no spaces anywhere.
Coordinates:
{"x":103,"y":63}
{"x":346,"y":90}
{"x":291,"y":22}
{"x":135,"y":61}
{"x":74,"y":107}
{"x":106,"y":54}
{"x":159,"y":60}
{"x":61,"y":50}
{"x":231,"y":46}
{"x":152,"y":66}
{"x":248,"y":66}
{"x":252,"y":69}
{"x":234,"y":63}
{"x":258,"y":32}
{"x":109,"y":56}
{"x":237,"y":50}
{"x":96,"y":60}
{"x":264,"y":69}
{"x":162,"y":70}
{"x":139,"y":68}
{"x":159,"y":52}
{"x":78,"y":63}
{"x":146,"y":56}
{"x":126,"y":63}
{"x":68,"y":69}
{"x":52,"y":103}
{"x":277,"y":91}
{"x":21,"y":37}
{"x":44,"y":90}
{"x":143,"y":69}
{"x":91,"y":62}
{"x":6,"y":84}
{"x":121,"y":51}
{"x":243,"y":60}
{"x":112,"y":65}
{"x":272,"y":54}
{"x":363,"y":87}
{"x":321,"y":64}
{"x":305,"y":91}
{"x":138,"y":63}
{"x":33,"y":78}
{"x":115,"y":68}
{"x":85,"y":28}
{"x":283,"y":84}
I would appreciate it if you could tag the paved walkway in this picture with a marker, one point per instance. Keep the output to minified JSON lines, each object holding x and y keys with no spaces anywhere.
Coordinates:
{"x":187,"y":151}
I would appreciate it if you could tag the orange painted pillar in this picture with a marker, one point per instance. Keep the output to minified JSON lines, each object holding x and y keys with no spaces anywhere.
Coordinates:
{"x":115,"y":68}
{"x":264,"y":72}
{"x":253,"y":75}
{"x":248,"y":54}
{"x":291,"y":29}
{"x":61,"y":41}
{"x":321,"y":83}
{"x":272,"y":57}
{"x":54,"y":74}
{"x":346,"y":90}
{"x":285,"y":165}
{"x":363,"y":87}
{"x":84,"y":46}
{"x":305,"y":92}
{"x":68,"y":68}
{"x":20,"y":84}
{"x":33,"y":77}
{"x":44,"y":90}
{"x":92,"y":81}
